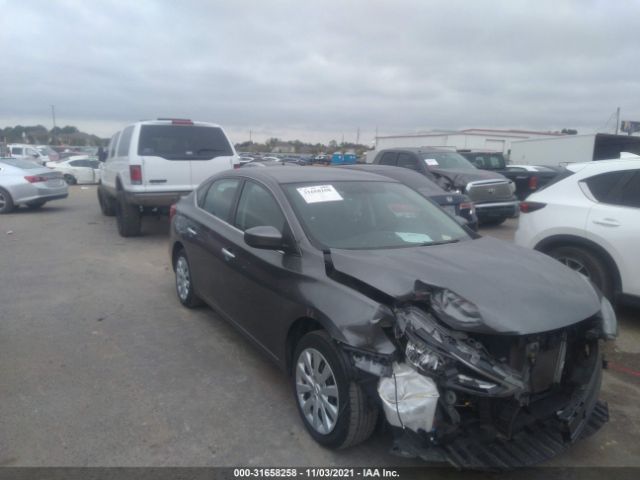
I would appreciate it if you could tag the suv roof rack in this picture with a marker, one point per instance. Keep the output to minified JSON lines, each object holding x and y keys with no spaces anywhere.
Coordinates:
{"x":178,"y":121}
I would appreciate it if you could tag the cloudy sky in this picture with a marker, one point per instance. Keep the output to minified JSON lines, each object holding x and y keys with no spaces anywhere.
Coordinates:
{"x":318,"y":70}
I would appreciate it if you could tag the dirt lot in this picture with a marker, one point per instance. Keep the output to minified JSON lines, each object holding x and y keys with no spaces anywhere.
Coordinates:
{"x":101,"y":366}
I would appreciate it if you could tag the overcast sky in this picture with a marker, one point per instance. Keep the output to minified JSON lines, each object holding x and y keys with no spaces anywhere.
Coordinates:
{"x":319,"y":70}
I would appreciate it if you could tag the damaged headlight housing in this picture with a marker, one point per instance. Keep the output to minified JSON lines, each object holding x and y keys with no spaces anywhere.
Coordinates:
{"x":455,"y":310}
{"x":422,"y":357}
{"x":609,"y":319}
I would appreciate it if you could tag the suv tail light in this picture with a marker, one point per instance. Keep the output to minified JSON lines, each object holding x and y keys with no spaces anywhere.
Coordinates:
{"x":35,"y":178}
{"x":135,"y":172}
{"x":172,"y":212}
{"x":533,"y":183}
{"x":528,"y":207}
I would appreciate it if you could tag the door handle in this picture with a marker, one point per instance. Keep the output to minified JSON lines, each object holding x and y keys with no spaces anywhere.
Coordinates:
{"x":228,"y":255}
{"x":192,"y":231}
{"x":607,"y":222}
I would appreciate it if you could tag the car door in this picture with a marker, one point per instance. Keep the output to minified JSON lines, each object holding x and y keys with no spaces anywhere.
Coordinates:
{"x":80,"y":170}
{"x":258,"y":299}
{"x":95,"y":166}
{"x":614,"y":220}
{"x":208,"y":236}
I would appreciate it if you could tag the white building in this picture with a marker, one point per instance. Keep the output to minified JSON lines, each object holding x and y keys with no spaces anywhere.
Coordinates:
{"x":469,"y":139}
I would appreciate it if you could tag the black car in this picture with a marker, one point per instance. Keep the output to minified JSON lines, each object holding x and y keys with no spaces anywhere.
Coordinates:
{"x":455,"y":204}
{"x":527,"y":179}
{"x":376,"y":302}
{"x":492,"y":193}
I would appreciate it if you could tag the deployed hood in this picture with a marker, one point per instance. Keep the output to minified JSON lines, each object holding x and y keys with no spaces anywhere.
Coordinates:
{"x":516,"y":290}
{"x":460,"y":177}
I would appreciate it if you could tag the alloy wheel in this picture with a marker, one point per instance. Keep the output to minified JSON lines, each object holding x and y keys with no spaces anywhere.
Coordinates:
{"x":575,"y":265}
{"x":317,"y":391}
{"x":183,"y":279}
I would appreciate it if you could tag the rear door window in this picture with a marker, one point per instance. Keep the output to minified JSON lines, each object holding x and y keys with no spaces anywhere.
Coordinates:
{"x":389,"y":158}
{"x":257,"y":207}
{"x":16,"y":151}
{"x":607,"y":187}
{"x":183,"y":142}
{"x":219,"y":198}
{"x":630,"y":196}
{"x":125,"y":141}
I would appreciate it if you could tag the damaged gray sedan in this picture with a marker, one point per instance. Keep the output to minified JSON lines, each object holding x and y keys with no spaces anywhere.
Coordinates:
{"x":476,"y":352}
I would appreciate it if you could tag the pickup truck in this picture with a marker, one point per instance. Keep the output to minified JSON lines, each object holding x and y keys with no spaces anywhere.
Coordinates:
{"x":527,"y":178}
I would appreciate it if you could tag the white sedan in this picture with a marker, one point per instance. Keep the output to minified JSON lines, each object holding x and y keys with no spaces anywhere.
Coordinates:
{"x":78,"y":169}
{"x":589,"y":219}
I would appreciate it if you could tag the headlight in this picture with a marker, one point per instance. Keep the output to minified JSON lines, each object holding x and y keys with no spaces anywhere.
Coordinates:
{"x":609,"y":319}
{"x":455,"y":310}
{"x":422,"y":357}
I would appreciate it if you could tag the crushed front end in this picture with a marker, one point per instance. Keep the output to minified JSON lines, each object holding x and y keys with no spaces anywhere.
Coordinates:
{"x":479,"y":400}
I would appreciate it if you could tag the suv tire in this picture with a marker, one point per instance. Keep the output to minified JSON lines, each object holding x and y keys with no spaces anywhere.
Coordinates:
{"x":589,"y":264}
{"x":107,"y":202}
{"x":356,"y":415}
{"x":128,"y":217}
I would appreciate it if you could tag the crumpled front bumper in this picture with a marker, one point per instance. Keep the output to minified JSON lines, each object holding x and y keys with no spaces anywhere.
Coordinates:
{"x":534,"y":444}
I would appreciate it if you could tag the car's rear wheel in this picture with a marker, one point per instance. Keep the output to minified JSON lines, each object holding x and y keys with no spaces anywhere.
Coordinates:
{"x":107,"y":203}
{"x":128,"y":217}
{"x":586,"y":263}
{"x":184,"y":282}
{"x":6,"y":202}
{"x":335,"y":410}
{"x":70,"y":179}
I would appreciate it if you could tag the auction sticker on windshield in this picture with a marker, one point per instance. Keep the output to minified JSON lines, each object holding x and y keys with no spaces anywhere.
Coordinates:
{"x":432,"y":162}
{"x":411,"y":237}
{"x":319,"y":193}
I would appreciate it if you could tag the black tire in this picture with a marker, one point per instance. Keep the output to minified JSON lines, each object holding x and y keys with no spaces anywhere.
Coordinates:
{"x":592,"y":266}
{"x":357,"y":414}
{"x":6,"y":202}
{"x":107,"y":202}
{"x":129,"y":218}
{"x":70,"y":179}
{"x":188,"y":297}
{"x":492,"y":222}
{"x":35,"y":205}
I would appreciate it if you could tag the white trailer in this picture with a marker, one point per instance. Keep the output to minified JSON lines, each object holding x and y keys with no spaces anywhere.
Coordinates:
{"x":559,"y":151}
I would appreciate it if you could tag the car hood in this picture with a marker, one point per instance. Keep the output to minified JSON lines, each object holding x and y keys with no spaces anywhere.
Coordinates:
{"x":461,"y":177}
{"x":517,"y":291}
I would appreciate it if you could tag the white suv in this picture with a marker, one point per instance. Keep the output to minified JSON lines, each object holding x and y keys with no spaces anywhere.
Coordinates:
{"x":151,"y":164}
{"x":27,"y":152}
{"x":589,"y":220}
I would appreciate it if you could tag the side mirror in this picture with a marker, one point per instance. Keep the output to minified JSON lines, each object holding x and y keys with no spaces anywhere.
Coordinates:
{"x":265,"y":237}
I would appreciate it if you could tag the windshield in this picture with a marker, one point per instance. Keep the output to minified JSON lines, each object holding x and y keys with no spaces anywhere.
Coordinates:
{"x":183,"y":142}
{"x":446,"y":160}
{"x":367,"y":215}
{"x":23,"y":164}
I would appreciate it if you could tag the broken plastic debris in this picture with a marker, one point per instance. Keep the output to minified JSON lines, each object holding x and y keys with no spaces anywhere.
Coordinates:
{"x":9,"y":232}
{"x":409,"y":398}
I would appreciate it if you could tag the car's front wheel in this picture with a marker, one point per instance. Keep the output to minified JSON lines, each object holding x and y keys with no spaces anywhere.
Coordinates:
{"x":128,"y":217}
{"x":184,"y":282}
{"x":107,"y":202}
{"x":588,"y":264}
{"x":335,"y":409}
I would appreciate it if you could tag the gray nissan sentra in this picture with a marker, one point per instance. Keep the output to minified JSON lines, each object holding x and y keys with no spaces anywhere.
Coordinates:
{"x":476,"y":352}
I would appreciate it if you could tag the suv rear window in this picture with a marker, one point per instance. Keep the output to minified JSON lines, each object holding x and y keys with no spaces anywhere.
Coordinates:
{"x":183,"y":142}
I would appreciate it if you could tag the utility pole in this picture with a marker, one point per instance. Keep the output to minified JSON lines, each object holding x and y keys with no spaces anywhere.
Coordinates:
{"x":358,"y":136}
{"x":250,"y":132}
{"x":53,"y":115}
{"x":617,"y":120}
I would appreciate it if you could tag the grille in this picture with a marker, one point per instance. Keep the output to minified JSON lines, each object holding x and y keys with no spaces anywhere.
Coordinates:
{"x":489,"y":191}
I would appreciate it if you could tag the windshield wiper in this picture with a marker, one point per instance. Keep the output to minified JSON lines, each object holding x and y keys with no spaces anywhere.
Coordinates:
{"x":439,"y":242}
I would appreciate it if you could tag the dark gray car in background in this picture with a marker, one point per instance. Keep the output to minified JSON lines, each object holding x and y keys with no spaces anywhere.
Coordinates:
{"x":377,"y":303}
{"x":492,"y":193}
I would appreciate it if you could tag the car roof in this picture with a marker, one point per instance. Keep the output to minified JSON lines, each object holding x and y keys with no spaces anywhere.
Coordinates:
{"x":297,"y":174}
{"x":604,"y":165}
{"x":407,"y":176}
{"x":417,"y":149}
